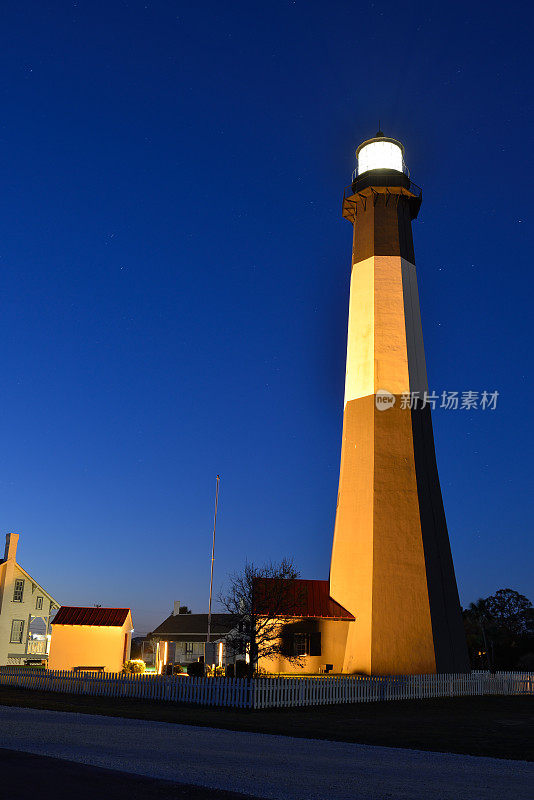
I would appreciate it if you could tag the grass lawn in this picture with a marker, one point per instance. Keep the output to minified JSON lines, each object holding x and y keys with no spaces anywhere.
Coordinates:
{"x":501,"y":727}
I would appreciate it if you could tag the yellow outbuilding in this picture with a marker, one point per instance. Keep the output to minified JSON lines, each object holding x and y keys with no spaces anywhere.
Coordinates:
{"x":90,"y":638}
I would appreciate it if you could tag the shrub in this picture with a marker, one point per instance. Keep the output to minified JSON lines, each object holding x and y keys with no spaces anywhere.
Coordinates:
{"x":196,"y":669}
{"x":526,"y":663}
{"x":214,"y":672}
{"x":242,"y":669}
{"x":135,"y":666}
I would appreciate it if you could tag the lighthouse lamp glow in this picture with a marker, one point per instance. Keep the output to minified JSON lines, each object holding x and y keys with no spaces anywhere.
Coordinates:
{"x":380,"y":153}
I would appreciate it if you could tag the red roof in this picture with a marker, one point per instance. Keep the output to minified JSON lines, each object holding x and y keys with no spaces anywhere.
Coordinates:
{"x":76,"y":615}
{"x":297,"y":598}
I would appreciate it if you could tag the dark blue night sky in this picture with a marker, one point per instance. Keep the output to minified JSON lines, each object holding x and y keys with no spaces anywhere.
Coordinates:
{"x":175,"y":272}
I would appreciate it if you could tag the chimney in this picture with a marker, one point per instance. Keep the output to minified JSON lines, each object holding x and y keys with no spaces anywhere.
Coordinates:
{"x":12,"y":539}
{"x":176,"y":609}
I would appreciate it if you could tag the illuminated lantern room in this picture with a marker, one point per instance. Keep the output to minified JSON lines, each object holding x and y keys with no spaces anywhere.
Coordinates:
{"x":381,"y":152}
{"x":380,"y":164}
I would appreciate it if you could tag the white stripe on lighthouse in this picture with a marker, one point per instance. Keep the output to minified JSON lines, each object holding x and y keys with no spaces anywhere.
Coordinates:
{"x":360,"y":375}
{"x":385,"y":338}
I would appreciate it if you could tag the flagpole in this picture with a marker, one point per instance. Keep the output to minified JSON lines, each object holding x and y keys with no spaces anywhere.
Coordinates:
{"x":213,"y":555}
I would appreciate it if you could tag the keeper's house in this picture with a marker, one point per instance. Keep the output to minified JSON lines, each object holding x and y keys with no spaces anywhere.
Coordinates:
{"x":181,"y":639}
{"x":90,"y":639}
{"x":25,"y":609}
{"x":313,"y":626}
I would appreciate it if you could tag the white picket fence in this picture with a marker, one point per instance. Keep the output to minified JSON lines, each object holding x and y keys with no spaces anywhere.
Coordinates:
{"x":233,"y":692}
{"x":269,"y":692}
{"x":280,"y":692}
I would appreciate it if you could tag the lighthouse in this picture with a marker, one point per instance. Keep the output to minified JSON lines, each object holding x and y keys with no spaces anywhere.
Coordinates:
{"x":391,"y":565}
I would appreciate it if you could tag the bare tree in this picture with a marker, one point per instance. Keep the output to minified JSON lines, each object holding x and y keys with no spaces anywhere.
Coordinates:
{"x":262,"y":600}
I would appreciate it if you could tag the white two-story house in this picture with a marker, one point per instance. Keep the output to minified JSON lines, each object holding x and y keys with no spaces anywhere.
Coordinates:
{"x":25,"y":609}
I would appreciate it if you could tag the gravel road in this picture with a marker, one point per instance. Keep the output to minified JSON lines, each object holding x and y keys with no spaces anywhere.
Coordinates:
{"x":262,"y":765}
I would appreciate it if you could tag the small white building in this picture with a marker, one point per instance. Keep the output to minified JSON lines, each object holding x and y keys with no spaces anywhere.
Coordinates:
{"x":25,"y":609}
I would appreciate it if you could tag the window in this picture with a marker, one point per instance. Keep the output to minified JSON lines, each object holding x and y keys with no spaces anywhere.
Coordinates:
{"x":315,"y":643}
{"x":300,"y":644}
{"x":39,"y":603}
{"x":307,"y":644}
{"x":189,"y":646}
{"x":19,"y":591}
{"x":17,"y":629}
